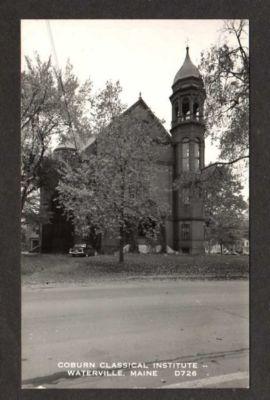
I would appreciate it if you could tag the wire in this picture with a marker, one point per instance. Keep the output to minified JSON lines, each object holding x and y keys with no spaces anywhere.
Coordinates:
{"x":59,"y":78}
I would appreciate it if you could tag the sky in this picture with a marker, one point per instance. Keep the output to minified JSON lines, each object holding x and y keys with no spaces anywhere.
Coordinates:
{"x":144,"y":55}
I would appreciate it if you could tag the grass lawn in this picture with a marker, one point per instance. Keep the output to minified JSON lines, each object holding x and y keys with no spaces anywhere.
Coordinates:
{"x":51,"y":268}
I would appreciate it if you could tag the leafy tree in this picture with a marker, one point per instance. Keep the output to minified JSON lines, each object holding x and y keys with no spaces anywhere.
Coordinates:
{"x":224,"y":207}
{"x":113,"y":188}
{"x":33,"y":212}
{"x":225,"y":69}
{"x":53,"y":106}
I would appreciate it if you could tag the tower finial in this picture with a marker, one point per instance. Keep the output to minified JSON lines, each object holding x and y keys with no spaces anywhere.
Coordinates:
{"x":187,"y":44}
{"x":140,"y":95}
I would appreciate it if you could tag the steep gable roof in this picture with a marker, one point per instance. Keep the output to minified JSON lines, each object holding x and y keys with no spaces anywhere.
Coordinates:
{"x":140,"y":104}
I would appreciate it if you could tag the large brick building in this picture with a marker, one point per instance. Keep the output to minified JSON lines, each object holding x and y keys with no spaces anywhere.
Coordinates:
{"x":182,"y":151}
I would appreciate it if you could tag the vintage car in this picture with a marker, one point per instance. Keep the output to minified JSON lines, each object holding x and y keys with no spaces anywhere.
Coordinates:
{"x":82,"y":250}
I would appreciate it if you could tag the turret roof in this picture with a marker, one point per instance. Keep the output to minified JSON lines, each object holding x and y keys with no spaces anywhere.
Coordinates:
{"x":188,"y":69}
{"x":67,"y":145}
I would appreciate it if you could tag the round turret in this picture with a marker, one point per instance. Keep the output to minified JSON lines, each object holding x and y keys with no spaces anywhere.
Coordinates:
{"x":64,"y":151}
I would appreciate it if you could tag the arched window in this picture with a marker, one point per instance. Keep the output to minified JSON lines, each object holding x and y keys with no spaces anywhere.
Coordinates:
{"x":185,"y":108}
{"x":176,"y":110}
{"x":186,"y":196}
{"x":196,"y":109}
{"x":185,"y":154}
{"x":185,"y":231}
{"x":197,"y":154}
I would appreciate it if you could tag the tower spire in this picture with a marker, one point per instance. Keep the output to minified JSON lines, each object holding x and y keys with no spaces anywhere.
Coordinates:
{"x":187,"y":44}
{"x":188,"y":140}
{"x":188,"y":69}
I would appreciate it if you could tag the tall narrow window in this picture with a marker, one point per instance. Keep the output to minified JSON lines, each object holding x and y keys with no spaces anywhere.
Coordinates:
{"x":185,"y":154}
{"x":197,"y":154}
{"x":131,"y":191}
{"x":186,"y":196}
{"x":196,"y":110}
{"x":185,"y":108}
{"x":176,"y":110}
{"x":185,"y":230}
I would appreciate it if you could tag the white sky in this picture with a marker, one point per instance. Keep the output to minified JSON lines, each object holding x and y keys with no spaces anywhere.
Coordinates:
{"x":144,"y":55}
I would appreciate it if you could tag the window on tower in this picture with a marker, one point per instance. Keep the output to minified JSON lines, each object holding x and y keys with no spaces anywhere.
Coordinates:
{"x":185,"y":154}
{"x":197,"y":154}
{"x":185,"y":108}
{"x":185,"y":231}
{"x":186,"y":196}
{"x":196,"y":110}
{"x":176,"y":110}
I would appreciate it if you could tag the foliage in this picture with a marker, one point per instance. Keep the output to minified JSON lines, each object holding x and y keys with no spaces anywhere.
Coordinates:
{"x":113,"y":188}
{"x":53,"y":106}
{"x":106,"y":106}
{"x":225,"y":69}
{"x":224,"y":204}
{"x":75,"y":105}
{"x":224,"y":207}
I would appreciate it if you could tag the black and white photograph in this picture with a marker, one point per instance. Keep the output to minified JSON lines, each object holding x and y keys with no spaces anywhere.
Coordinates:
{"x":134,"y":203}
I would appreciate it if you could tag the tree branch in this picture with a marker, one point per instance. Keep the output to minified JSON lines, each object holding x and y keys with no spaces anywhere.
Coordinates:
{"x":29,"y":105}
{"x":225,"y":162}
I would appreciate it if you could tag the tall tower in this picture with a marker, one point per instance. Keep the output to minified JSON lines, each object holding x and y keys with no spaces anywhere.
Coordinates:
{"x":188,"y":142}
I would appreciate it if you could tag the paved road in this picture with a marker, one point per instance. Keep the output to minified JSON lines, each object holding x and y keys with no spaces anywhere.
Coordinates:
{"x":201,"y":322}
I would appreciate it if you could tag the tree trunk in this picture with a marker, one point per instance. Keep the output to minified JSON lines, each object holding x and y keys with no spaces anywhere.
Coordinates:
{"x":163,"y":237}
{"x":121,"y":245}
{"x":221,"y":248}
{"x":23,"y":197}
{"x":134,"y":243}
